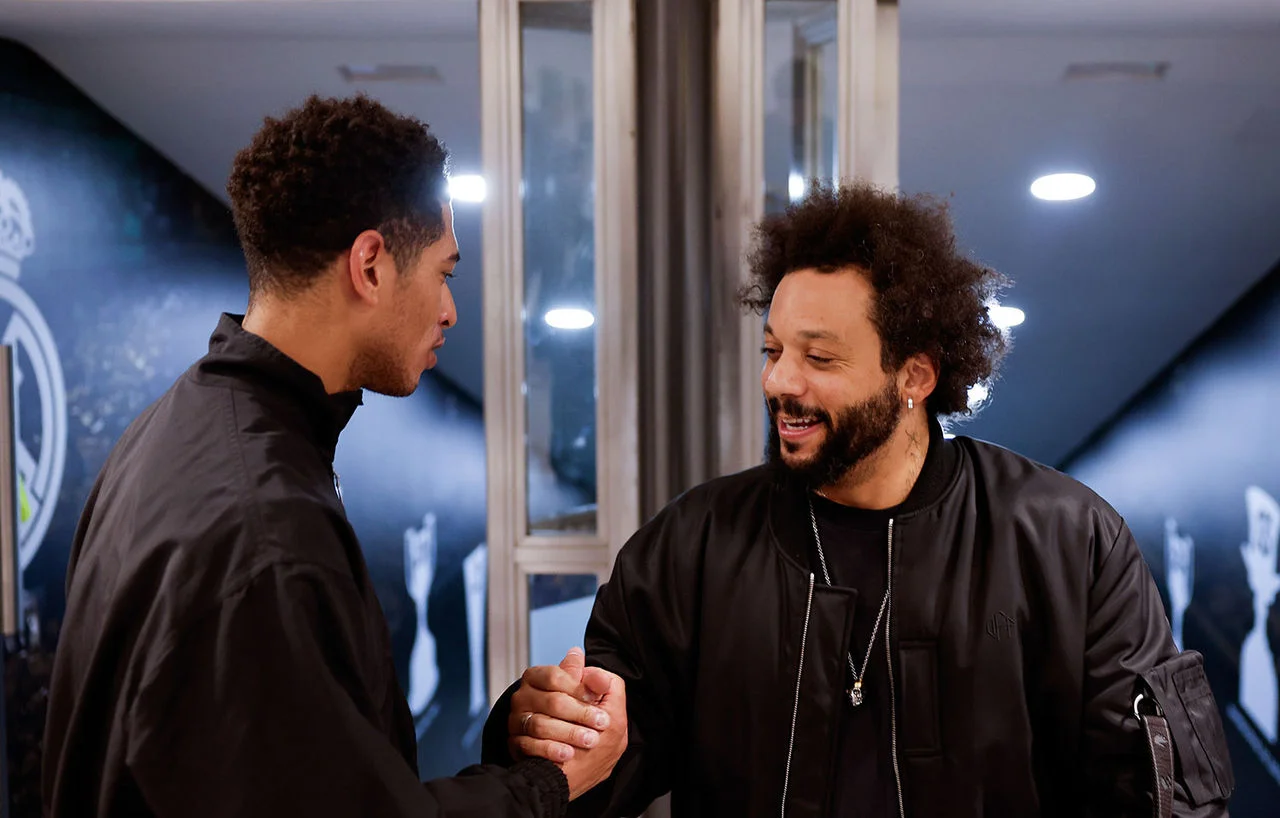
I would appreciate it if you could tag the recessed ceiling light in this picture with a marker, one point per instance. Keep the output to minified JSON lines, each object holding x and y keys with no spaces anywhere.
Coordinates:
{"x":1005,"y":317}
{"x":1062,"y":187}
{"x":569,"y":318}
{"x":467,"y":188}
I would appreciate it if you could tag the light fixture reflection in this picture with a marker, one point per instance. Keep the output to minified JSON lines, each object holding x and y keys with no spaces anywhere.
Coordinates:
{"x":796,"y":187}
{"x":569,"y":318}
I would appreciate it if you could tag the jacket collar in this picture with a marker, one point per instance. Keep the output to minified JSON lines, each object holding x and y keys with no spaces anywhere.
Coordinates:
{"x":789,"y":508}
{"x":239,"y":355}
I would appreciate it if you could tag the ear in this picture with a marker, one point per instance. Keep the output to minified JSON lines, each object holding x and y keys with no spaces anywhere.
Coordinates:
{"x":369,"y":266}
{"x":918,"y":377}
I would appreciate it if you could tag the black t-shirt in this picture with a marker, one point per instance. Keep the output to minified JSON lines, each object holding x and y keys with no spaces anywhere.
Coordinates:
{"x":855,"y":543}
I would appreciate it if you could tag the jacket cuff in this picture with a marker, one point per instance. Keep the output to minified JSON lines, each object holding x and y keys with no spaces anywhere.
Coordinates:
{"x":493,"y":742}
{"x":548,"y":781}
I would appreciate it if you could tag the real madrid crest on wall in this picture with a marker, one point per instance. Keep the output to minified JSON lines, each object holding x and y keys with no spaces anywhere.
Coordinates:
{"x":40,"y":432}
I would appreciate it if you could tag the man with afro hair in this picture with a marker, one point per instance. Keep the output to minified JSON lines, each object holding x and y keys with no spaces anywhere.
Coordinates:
{"x":882,"y":621}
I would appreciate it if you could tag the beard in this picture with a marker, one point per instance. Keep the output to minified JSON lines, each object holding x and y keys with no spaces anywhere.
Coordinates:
{"x":856,"y":434}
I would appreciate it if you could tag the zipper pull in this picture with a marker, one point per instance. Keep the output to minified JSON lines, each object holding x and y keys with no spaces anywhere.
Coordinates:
{"x":337,"y":486}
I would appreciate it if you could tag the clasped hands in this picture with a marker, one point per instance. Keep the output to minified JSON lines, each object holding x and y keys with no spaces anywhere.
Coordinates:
{"x":573,"y":715}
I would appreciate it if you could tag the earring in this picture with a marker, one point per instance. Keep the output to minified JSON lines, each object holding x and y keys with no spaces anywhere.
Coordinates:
{"x":911,"y":403}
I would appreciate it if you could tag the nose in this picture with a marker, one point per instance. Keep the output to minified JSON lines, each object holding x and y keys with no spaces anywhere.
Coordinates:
{"x":782,"y":378}
{"x":449,"y":310}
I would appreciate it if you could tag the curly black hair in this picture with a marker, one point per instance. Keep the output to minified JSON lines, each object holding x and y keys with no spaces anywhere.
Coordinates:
{"x":314,"y":179}
{"x":929,"y":298}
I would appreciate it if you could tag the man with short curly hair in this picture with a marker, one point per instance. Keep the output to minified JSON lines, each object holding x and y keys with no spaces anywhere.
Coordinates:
{"x":223,"y":651}
{"x":880,"y":620}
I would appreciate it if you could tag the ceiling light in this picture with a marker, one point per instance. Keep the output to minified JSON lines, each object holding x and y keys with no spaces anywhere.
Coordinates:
{"x":1006,"y":317}
{"x":796,"y":186}
{"x":467,"y":188}
{"x":977,"y":394}
{"x":569,"y":318}
{"x":1062,"y":187}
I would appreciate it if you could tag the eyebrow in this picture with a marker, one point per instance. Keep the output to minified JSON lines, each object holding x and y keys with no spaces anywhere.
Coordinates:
{"x":809,"y":334}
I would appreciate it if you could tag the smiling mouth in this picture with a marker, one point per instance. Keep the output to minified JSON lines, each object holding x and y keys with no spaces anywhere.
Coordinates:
{"x":798,"y":424}
{"x":797,"y":428}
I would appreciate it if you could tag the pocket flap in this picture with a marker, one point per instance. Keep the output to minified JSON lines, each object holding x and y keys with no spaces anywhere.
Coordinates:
{"x":1183,"y":691}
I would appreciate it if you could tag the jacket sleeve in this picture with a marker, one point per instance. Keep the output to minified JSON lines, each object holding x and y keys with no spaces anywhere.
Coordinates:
{"x":261,"y":708}
{"x":1130,"y":649}
{"x":643,"y":628}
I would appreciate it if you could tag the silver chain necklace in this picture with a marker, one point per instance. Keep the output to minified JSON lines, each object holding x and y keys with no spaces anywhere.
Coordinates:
{"x":855,"y":692}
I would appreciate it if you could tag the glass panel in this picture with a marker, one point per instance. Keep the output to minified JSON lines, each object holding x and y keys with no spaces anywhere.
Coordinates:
{"x":559,"y":607}
{"x":559,"y":266}
{"x":800,"y":53}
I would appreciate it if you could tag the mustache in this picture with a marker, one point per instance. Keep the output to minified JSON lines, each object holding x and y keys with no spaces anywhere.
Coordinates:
{"x":794,"y":408}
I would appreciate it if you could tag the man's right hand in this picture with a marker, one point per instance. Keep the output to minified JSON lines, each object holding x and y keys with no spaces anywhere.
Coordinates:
{"x":573,"y":715}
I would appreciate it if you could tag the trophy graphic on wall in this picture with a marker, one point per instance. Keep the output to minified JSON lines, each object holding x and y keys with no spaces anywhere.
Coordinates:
{"x":419,"y":570}
{"x":475,"y":575}
{"x":1179,"y":570}
{"x":1259,"y":691}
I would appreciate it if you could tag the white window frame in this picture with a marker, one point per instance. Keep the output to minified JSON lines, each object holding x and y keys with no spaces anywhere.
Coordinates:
{"x":867,"y":148}
{"x":515,"y":555}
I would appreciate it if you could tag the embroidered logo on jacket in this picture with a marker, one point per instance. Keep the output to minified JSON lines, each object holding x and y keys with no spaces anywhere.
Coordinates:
{"x":1000,"y":626}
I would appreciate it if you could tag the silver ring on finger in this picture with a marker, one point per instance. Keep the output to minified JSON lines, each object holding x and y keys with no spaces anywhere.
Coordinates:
{"x":524,"y":724}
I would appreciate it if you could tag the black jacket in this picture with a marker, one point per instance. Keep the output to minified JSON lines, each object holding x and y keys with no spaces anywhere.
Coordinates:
{"x":223,"y":652}
{"x":1022,"y":622}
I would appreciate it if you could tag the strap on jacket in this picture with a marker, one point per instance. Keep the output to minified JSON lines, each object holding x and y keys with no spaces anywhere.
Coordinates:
{"x":1160,"y":746}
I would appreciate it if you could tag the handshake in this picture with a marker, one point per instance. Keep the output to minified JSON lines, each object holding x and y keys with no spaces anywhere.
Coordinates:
{"x":573,"y":715}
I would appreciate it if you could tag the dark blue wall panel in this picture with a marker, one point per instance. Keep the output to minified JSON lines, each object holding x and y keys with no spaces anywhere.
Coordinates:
{"x":1194,"y":466}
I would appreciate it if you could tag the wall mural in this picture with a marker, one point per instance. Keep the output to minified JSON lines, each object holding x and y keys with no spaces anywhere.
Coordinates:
{"x":114,"y":267}
{"x":1192,"y":466}
{"x":39,"y":451}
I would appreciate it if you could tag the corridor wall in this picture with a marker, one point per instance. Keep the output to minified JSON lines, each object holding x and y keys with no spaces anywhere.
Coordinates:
{"x":1193,"y":464}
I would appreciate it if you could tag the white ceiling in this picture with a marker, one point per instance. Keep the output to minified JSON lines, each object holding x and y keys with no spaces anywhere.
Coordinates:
{"x":195,"y":79}
{"x":1184,"y":220}
{"x":1096,"y":16}
{"x":348,"y":19}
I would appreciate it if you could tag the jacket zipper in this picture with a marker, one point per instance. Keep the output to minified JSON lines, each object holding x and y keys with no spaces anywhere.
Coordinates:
{"x":795,"y":710}
{"x":893,"y":705}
